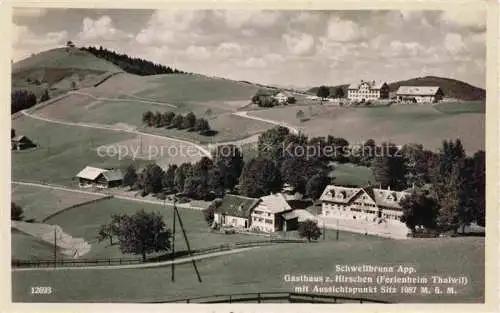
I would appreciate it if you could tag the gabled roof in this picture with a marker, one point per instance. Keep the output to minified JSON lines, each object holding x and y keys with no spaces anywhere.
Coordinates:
{"x":339,"y":194}
{"x":389,"y":198}
{"x":381,"y":197}
{"x":237,"y":206}
{"x":90,"y":172}
{"x":113,"y":175}
{"x":19,"y":138}
{"x":274,"y":203}
{"x":373,"y":85}
{"x":417,"y":90}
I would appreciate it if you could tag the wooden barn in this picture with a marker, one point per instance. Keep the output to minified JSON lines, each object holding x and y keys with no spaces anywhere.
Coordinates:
{"x":99,"y":178}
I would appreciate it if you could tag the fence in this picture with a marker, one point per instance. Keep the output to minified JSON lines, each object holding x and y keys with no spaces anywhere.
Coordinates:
{"x":274,"y":297}
{"x":158,"y":259}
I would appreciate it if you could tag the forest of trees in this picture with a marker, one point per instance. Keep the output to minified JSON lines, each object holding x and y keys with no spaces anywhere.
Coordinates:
{"x":23,"y":99}
{"x":170,"y":120}
{"x":206,"y":179}
{"x":448,"y":187}
{"x":136,"y":66}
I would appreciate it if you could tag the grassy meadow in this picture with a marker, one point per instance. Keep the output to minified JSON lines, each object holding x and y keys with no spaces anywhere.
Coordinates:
{"x":85,"y":220}
{"x":399,"y":124}
{"x":39,"y":203}
{"x":62,"y":151}
{"x":262,"y":270}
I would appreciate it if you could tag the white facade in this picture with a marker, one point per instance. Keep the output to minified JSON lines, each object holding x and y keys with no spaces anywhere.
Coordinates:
{"x":367,"y":91}
{"x":266,"y":217}
{"x":370,"y":204}
{"x":234,"y":221}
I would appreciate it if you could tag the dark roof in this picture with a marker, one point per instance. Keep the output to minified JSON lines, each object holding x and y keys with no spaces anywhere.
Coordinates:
{"x":238,"y":206}
{"x":113,"y":175}
{"x":19,"y":138}
{"x":300,"y":204}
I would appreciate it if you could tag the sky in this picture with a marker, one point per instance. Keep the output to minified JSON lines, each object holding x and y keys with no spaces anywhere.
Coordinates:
{"x":286,"y":48}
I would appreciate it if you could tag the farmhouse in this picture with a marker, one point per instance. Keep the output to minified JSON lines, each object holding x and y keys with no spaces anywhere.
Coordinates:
{"x":283,"y":97}
{"x":235,"y":211}
{"x":21,"y":143}
{"x":419,"y":94}
{"x":99,"y":178}
{"x":367,"y":204}
{"x":367,"y":90}
{"x":266,"y":214}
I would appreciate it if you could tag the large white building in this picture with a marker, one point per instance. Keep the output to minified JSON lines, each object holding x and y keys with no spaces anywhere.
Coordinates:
{"x":368,"y":90}
{"x":367,"y":204}
{"x":419,"y":94}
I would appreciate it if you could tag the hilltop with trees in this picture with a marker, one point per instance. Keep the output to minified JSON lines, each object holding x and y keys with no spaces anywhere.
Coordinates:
{"x":131,"y":65}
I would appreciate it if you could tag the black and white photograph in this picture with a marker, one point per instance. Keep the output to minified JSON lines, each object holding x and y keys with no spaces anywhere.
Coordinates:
{"x":251,"y":155}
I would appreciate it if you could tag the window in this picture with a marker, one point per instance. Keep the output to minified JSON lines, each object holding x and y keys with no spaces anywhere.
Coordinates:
{"x":269,"y":221}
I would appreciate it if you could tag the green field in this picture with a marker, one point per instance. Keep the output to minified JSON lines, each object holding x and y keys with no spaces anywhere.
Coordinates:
{"x":461,"y":107}
{"x":26,"y":247}
{"x":400,"y":124}
{"x":85,"y":220}
{"x":39,"y":203}
{"x":62,"y":151}
{"x":351,"y":174}
{"x":262,"y":270}
{"x":196,"y":88}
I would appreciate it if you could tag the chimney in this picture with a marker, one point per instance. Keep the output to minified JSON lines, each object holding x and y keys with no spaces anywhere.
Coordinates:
{"x":388,"y":187}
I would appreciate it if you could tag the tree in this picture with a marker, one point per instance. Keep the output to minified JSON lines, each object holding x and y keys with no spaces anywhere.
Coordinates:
{"x":201,"y":125}
{"x":209,"y":212}
{"x":144,"y":233}
{"x":169,"y":177}
{"x":167,"y":118}
{"x":229,"y":161}
{"x":177,"y":121}
{"x":181,"y":173}
{"x":296,"y":171}
{"x":45,"y":96}
{"x":209,"y":112}
{"x":339,"y":93}
{"x":419,"y":209}
{"x":310,"y":230}
{"x":299,"y":115}
{"x":450,"y":181}
{"x":16,"y":212}
{"x":259,"y":177}
{"x":316,"y":185}
{"x":152,"y":178}
{"x":477,"y":187}
{"x":73,"y":84}
{"x":389,"y":169}
{"x":130,"y":177}
{"x":12,"y":133}
{"x":270,"y":143}
{"x":148,"y":118}
{"x":189,"y":121}
{"x":158,"y":119}
{"x":323,"y":92}
{"x":105,"y":232}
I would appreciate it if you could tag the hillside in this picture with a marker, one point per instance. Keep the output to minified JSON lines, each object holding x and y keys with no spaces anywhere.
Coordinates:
{"x":452,"y":88}
{"x":135,"y":66}
{"x":59,"y":70}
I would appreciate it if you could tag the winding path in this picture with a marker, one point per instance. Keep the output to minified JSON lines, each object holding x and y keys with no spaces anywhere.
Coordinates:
{"x":202,"y":149}
{"x":292,"y":129}
{"x":109,"y":193}
{"x":143,"y":100}
{"x":135,"y":266}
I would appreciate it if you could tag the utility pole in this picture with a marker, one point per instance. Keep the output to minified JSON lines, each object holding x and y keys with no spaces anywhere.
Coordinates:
{"x":173,"y":240}
{"x":177,"y":215}
{"x":323,"y":230}
{"x":337,"y":230}
{"x":55,"y":245}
